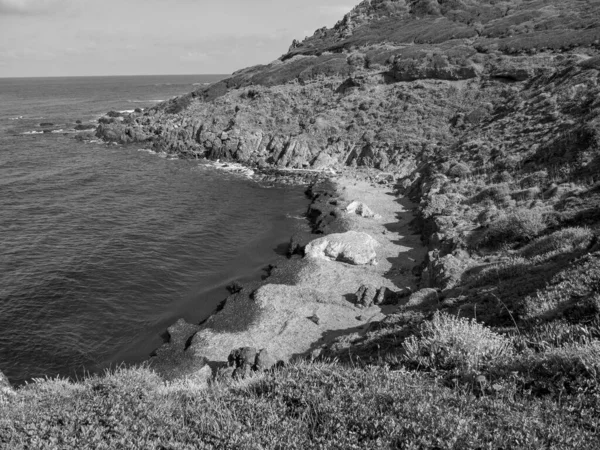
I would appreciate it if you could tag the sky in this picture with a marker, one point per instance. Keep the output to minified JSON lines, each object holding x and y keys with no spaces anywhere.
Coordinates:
{"x":43,"y":38}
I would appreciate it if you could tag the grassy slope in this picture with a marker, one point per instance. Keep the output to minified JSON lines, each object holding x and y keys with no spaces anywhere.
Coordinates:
{"x":317,"y":405}
{"x":505,"y":167}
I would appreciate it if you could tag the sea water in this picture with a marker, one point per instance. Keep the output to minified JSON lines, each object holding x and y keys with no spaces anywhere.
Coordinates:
{"x":102,"y":247}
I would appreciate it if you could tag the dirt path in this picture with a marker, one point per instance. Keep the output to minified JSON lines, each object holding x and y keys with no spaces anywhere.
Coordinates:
{"x":401,"y":248}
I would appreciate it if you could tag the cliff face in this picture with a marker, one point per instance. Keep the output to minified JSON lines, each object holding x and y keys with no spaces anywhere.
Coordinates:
{"x":486,"y":112}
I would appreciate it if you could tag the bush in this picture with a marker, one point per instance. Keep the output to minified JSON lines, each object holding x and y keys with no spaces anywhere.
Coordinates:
{"x":572,"y":367}
{"x":563,"y":240}
{"x":497,"y":194}
{"x":521,"y":225}
{"x":460,"y":170}
{"x":449,"y":342}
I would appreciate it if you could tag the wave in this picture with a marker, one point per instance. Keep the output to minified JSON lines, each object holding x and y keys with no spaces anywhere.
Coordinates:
{"x":291,"y":216}
{"x":201,"y":84}
{"x":127,"y":111}
{"x":234,"y":168}
{"x":33,"y":132}
{"x":16,"y":118}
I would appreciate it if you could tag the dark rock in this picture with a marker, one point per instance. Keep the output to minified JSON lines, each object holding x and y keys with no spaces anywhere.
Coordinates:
{"x":234,"y":287}
{"x":314,"y":318}
{"x":244,"y":356}
{"x":82,"y":127}
{"x":78,"y":122}
{"x":46,"y":124}
{"x":114,"y":114}
{"x":366,"y":295}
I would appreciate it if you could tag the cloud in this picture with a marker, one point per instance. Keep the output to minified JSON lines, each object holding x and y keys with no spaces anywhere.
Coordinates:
{"x":30,"y":7}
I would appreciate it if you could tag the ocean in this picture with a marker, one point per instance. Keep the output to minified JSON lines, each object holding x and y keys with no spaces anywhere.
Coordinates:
{"x":102,"y":247}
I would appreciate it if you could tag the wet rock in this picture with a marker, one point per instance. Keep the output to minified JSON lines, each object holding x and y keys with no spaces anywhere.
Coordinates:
{"x":46,"y":124}
{"x":352,"y":247}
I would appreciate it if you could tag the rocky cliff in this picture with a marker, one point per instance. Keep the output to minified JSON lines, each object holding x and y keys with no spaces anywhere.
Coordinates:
{"x":487,"y":114}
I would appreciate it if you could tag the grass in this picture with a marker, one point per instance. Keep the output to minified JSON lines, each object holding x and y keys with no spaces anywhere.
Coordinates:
{"x":305,"y":405}
{"x":450,"y":342}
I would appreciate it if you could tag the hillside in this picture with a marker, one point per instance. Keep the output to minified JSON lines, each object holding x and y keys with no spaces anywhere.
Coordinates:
{"x":479,"y":120}
{"x":487,"y":114}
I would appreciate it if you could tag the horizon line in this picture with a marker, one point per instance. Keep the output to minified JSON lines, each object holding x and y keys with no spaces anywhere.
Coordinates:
{"x":115,"y":76}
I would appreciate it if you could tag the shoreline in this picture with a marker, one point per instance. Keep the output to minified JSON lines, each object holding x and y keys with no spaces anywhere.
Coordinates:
{"x":306,"y":303}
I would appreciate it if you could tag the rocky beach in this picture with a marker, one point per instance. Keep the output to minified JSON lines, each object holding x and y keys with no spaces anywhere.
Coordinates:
{"x":448,"y":295}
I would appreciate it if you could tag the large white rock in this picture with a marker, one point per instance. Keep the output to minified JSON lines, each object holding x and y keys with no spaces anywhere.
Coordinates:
{"x":352,"y":247}
{"x":362,"y":210}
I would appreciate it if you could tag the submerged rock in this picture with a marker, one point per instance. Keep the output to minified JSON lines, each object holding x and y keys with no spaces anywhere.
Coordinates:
{"x":352,"y":247}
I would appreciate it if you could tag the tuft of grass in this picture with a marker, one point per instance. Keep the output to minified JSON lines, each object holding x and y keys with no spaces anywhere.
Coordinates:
{"x":449,"y":342}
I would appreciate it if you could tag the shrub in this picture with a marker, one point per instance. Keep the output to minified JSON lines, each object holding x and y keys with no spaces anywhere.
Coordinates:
{"x":572,"y":367}
{"x":496,"y":193}
{"x":563,"y":240}
{"x":450,"y":342}
{"x":521,"y":225}
{"x":460,"y":170}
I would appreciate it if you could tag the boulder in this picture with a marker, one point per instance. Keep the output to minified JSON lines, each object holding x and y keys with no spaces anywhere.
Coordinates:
{"x":264,"y":360}
{"x":366,"y":295}
{"x":352,"y":247}
{"x":362,"y":210}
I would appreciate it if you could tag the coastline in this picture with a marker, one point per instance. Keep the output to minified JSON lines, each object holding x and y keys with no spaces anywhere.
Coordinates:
{"x":307,"y":303}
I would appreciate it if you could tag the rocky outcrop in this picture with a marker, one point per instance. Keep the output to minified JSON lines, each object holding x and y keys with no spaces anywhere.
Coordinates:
{"x":351,"y":247}
{"x":171,"y":360}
